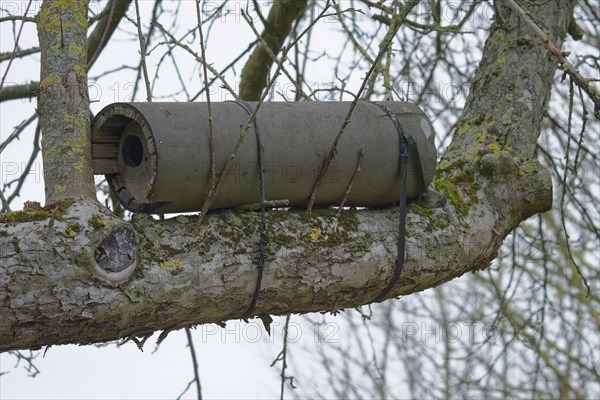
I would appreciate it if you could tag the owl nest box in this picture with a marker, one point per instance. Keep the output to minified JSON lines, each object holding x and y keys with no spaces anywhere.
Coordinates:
{"x":156,"y":156}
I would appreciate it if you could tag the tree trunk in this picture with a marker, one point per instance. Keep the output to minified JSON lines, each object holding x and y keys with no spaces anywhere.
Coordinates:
{"x":80,"y":275}
{"x":63,"y":100}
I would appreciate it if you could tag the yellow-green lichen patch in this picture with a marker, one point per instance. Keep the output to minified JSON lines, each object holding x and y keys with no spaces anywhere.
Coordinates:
{"x":502,"y":58}
{"x":72,"y":229}
{"x":509,"y":96}
{"x":79,"y":165}
{"x":494,"y":147}
{"x":53,"y":23}
{"x":77,"y":49}
{"x":506,"y":122}
{"x":547,"y":183}
{"x":315,"y":233}
{"x":60,"y":188}
{"x":96,"y":222}
{"x":79,"y":119}
{"x":80,"y":70}
{"x":26,"y":215}
{"x":463,"y":127}
{"x":172,"y":266}
{"x":49,"y":81}
{"x":484,"y":143}
{"x":65,"y":7}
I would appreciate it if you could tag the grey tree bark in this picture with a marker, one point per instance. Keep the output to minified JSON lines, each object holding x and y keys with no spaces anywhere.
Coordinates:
{"x":75,"y":273}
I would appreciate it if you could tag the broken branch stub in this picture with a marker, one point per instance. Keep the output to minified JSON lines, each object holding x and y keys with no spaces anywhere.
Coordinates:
{"x":156,"y":156}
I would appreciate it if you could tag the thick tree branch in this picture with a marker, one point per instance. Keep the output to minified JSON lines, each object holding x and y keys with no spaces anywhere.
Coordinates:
{"x":279,"y":24}
{"x":98,"y":37}
{"x":53,"y":291}
{"x":24,"y":91}
{"x":569,"y":68}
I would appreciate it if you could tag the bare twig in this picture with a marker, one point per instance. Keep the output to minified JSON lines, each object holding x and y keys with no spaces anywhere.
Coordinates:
{"x":569,"y":69}
{"x":5,"y":206}
{"x":199,"y":59}
{"x":196,"y":379}
{"x":27,"y":169}
{"x":19,"y":53}
{"x":564,"y":189}
{"x":142,"y":51}
{"x":213,"y":157}
{"x":147,"y":40}
{"x":16,"y":18}
{"x":18,"y":129}
{"x":230,"y":65}
{"x":282,"y":356}
{"x":268,"y":204}
{"x":16,"y":47}
{"x":361,"y":153}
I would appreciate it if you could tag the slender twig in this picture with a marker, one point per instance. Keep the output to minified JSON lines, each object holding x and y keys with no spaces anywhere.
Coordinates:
{"x":25,"y":173}
{"x":267,"y":204}
{"x":18,"y":129}
{"x":332,"y":152}
{"x":142,"y":52}
{"x":104,"y":35}
{"x":148,"y":38}
{"x":19,"y":53}
{"x":213,"y":157}
{"x":361,"y":153}
{"x":376,"y":5}
{"x":198,"y":58}
{"x":14,"y":53}
{"x":16,"y":18}
{"x":580,"y":81}
{"x":5,"y":206}
{"x":230,"y":65}
{"x":188,"y":333}
{"x":564,"y":189}
{"x":282,"y":356}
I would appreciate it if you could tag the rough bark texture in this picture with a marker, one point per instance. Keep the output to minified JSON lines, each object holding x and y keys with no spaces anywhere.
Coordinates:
{"x":282,"y":16}
{"x":54,"y":288}
{"x":63,"y":100}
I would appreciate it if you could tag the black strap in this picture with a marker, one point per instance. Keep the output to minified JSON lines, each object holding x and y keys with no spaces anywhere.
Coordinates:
{"x":405,"y":152}
{"x":262,"y":227}
{"x":413,"y":150}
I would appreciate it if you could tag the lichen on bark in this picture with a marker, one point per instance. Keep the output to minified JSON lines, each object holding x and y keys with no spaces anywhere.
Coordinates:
{"x":63,"y":100}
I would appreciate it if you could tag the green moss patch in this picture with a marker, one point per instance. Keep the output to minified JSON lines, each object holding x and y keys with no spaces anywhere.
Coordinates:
{"x":26,"y":215}
{"x":96,"y":222}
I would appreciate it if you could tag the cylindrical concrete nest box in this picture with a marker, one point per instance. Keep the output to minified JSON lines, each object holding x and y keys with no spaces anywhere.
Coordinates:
{"x":156,"y":156}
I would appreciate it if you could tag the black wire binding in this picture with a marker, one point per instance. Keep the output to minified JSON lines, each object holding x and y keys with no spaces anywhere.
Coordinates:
{"x":405,"y":150}
{"x":262,"y":227}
